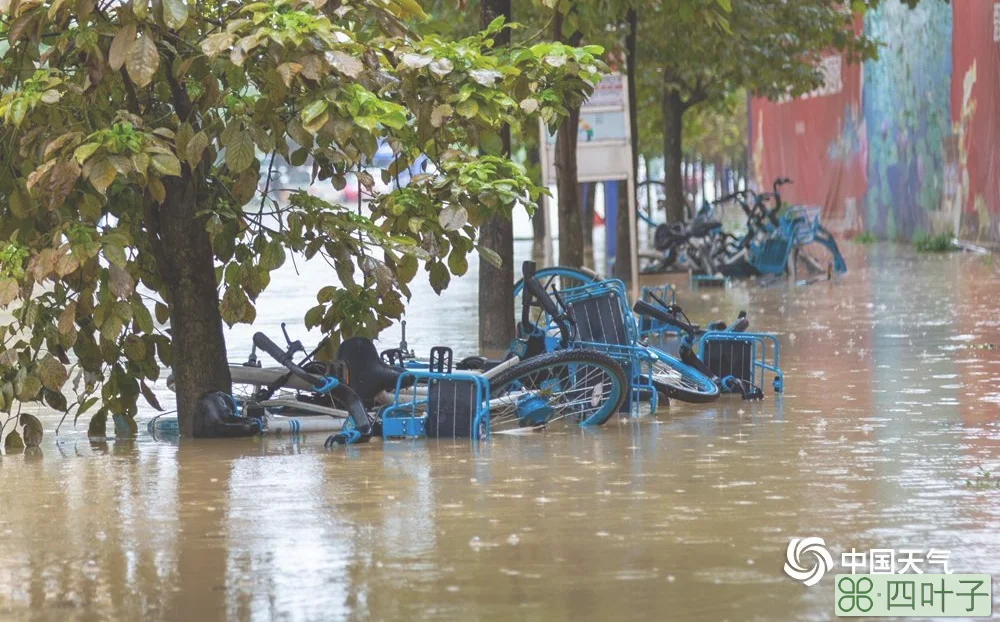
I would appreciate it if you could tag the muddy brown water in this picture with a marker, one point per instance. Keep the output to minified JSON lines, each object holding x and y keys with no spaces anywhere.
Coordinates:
{"x":892,"y":404}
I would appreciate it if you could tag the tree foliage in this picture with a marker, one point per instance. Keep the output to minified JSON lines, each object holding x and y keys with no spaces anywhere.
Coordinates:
{"x":113,"y":111}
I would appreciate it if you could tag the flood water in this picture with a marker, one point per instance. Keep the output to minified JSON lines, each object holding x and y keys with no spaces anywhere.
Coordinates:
{"x":892,"y":406}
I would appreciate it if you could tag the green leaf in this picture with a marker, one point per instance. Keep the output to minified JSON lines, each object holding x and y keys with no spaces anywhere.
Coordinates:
{"x":396,"y":120}
{"x":141,"y":316}
{"x":142,"y":61}
{"x":491,"y":143}
{"x":84,"y":151}
{"x":439,"y":277}
{"x":240,"y":152}
{"x":162,"y":312}
{"x":457,"y":262}
{"x":150,"y":396}
{"x":411,"y":7}
{"x":13,"y":443}
{"x":175,"y":13}
{"x":490,"y":255}
{"x":135,"y":349}
{"x":468,"y":108}
{"x":314,"y":110}
{"x":29,"y":389}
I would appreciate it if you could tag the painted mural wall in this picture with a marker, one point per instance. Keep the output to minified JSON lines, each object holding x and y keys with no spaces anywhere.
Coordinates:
{"x":904,"y":144}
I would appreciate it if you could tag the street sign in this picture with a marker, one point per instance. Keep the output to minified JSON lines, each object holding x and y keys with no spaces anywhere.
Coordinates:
{"x":603,"y":152}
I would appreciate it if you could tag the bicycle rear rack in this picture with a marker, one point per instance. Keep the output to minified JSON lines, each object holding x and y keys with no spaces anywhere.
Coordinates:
{"x":745,"y":356}
{"x":605,"y":323}
{"x":438,"y":405}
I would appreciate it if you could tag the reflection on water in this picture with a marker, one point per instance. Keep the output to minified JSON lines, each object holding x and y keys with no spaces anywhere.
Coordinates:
{"x":891,"y":405}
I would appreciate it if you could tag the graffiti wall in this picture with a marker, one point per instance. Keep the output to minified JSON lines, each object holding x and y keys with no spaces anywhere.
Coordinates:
{"x":905,"y":143}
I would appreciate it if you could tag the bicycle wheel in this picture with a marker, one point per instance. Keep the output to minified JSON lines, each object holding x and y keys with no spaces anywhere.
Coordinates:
{"x":568,"y":388}
{"x":679,"y":381}
{"x":560,"y":276}
{"x":294,"y":398}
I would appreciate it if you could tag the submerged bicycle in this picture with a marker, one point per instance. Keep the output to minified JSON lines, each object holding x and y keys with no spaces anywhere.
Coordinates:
{"x":360,"y":394}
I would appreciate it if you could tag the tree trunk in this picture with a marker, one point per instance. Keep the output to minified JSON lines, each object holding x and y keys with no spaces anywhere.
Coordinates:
{"x":496,"y":285}
{"x":538,"y":218}
{"x":702,"y":176}
{"x":567,"y":185}
{"x":570,"y":225}
{"x":187,"y":266}
{"x":588,"y":197}
{"x":623,"y":248}
{"x":623,"y":225}
{"x":673,"y":115}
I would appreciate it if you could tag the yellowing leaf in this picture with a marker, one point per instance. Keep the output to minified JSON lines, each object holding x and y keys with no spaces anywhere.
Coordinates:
{"x":411,"y":7}
{"x":288,"y":71}
{"x":120,"y":46}
{"x":67,"y":319}
{"x":121,"y":282}
{"x":8,"y":291}
{"x":102,"y":174}
{"x":84,"y":151}
{"x":346,"y":64}
{"x":166,"y":164}
{"x":440,"y":114}
{"x":142,"y":61}
{"x":240,"y":152}
{"x":156,"y":190}
{"x":175,"y":13}
{"x":52,"y":372}
{"x":215,"y":44}
{"x":196,"y":147}
{"x":453,"y":218}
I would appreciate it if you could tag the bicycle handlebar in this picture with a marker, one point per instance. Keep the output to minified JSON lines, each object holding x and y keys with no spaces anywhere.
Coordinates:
{"x":538,"y":292}
{"x":263,"y":342}
{"x":642,"y":307}
{"x":534,"y":289}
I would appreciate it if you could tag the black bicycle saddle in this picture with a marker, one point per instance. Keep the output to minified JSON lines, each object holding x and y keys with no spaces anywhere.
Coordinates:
{"x":367,"y":373}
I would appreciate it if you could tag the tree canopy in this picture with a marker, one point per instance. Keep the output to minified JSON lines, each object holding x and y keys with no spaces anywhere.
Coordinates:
{"x":139,"y":139}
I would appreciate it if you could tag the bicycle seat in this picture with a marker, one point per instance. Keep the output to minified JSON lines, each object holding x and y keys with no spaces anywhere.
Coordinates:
{"x":367,"y":373}
{"x":477,"y":363}
{"x":701,"y":228}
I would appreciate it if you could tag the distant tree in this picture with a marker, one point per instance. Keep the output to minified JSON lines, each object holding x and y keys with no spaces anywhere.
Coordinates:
{"x":770,"y":48}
